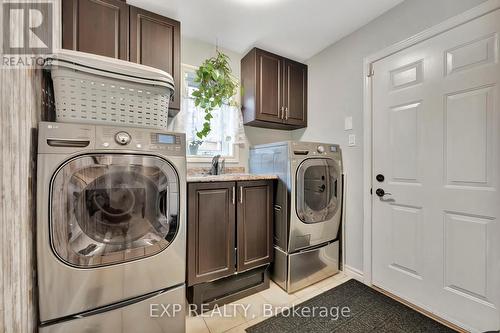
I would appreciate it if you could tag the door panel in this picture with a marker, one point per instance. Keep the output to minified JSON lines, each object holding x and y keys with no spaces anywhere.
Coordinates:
{"x":269,"y":95}
{"x":85,"y":20}
{"x":436,"y":124}
{"x":458,"y":279}
{"x":155,"y":42}
{"x":255,"y":224}
{"x":295,"y":93}
{"x":406,"y":241}
{"x":477,"y":145}
{"x":404,"y":139}
{"x":473,"y":54}
{"x":211,"y":231}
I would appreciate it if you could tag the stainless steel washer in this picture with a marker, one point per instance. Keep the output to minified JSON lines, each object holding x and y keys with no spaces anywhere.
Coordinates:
{"x":111,"y":230}
{"x":308,"y":209}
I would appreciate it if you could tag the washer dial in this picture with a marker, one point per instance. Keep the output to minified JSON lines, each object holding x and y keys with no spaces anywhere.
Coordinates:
{"x":122,"y":138}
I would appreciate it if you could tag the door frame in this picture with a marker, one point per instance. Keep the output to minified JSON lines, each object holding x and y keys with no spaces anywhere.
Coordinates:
{"x":471,"y":14}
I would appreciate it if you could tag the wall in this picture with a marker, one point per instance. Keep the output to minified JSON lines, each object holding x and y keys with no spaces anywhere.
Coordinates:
{"x":193,"y":53}
{"x":19,"y":108}
{"x":336,"y":91}
{"x":20,"y":111}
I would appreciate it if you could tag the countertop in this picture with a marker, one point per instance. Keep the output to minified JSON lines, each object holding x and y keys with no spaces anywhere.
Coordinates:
{"x":228,"y":177}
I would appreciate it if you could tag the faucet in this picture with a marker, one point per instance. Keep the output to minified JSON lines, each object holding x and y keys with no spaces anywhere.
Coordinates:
{"x":218,"y":165}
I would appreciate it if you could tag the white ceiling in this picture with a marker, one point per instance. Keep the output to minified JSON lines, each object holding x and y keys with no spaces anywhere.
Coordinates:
{"x":294,"y":28}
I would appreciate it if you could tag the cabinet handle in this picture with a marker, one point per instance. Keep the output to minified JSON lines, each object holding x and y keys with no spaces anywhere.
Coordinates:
{"x":234,"y":195}
{"x":241,"y":194}
{"x":282,"y":112}
{"x":286,"y":113}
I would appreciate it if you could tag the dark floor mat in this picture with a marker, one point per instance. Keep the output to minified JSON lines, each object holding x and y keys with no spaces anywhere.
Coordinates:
{"x":370,"y":311}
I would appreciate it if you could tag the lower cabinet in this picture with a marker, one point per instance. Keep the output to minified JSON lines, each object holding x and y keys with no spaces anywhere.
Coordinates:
{"x":230,"y":232}
{"x":211,"y":231}
{"x":254,"y":224}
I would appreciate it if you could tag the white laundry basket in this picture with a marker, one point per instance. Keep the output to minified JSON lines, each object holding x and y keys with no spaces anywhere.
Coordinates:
{"x":95,"y":89}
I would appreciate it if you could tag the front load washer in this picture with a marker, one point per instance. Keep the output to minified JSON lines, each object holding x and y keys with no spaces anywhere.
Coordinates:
{"x":111,"y":230}
{"x":308,"y":209}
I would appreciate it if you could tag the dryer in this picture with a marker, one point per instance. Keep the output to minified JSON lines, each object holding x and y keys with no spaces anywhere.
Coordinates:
{"x":111,"y":230}
{"x":308,"y":209}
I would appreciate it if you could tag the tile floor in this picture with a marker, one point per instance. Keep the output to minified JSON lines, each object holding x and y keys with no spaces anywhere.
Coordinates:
{"x":231,"y":318}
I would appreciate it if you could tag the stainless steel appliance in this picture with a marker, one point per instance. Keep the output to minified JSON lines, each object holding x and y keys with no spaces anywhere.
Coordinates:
{"x":111,"y":229}
{"x":308,"y":209}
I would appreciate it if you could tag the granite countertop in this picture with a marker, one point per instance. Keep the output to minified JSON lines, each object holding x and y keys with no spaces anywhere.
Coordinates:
{"x":228,"y":177}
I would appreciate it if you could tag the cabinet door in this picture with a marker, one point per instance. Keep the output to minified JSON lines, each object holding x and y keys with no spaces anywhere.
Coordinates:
{"x":96,"y":26}
{"x":155,"y":42}
{"x":211,"y":231}
{"x":254,"y":224}
{"x":295,"y":93}
{"x":269,"y":87}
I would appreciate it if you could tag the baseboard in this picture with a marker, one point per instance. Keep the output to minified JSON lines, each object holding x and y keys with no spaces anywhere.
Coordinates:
{"x":354,"y":273}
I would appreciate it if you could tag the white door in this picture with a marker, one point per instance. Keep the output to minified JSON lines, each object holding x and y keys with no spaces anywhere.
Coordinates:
{"x":436,"y":124}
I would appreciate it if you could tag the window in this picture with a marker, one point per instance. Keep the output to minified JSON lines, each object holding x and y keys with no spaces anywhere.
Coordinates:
{"x":225,"y":125}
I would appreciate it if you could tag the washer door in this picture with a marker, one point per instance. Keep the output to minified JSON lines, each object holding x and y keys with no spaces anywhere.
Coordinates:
{"x":109,"y":209}
{"x":318,"y":190}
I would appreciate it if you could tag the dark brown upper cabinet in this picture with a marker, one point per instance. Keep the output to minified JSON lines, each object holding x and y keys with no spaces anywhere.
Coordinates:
{"x":295,"y":93}
{"x":274,"y":91}
{"x":211,"y":231}
{"x":269,"y":96}
{"x":114,"y":29}
{"x":155,"y":41}
{"x":96,"y":26}
{"x":230,"y":228}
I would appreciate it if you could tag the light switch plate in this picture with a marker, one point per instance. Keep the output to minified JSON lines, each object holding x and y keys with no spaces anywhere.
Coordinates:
{"x":348,"y":123}
{"x":352,"y":140}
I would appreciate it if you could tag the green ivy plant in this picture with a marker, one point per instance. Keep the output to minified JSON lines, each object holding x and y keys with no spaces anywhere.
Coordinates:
{"x":217,"y":86}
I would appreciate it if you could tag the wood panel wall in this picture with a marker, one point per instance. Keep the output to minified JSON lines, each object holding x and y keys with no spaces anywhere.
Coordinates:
{"x":20,"y":111}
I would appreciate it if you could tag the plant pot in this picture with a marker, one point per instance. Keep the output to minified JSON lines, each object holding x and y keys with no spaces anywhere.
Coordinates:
{"x":193,"y":149}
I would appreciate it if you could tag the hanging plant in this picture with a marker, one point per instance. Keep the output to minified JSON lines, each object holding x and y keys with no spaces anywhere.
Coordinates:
{"x":216,"y":87}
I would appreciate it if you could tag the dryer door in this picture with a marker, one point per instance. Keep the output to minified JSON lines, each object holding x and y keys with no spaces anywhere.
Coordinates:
{"x":318,"y":190}
{"x":108,"y":208}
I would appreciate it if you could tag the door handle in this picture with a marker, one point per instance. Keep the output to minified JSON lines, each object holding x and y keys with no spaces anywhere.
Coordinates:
{"x":381,"y":193}
{"x":241,"y":194}
{"x":286,"y":113}
{"x":234,"y":195}
{"x":282,"y":115}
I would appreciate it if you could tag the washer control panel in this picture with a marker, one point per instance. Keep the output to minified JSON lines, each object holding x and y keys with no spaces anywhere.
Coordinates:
{"x":311,"y":149}
{"x":140,"y":139}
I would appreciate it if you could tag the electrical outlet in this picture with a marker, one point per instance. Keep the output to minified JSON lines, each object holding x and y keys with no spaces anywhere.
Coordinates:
{"x":352,"y":140}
